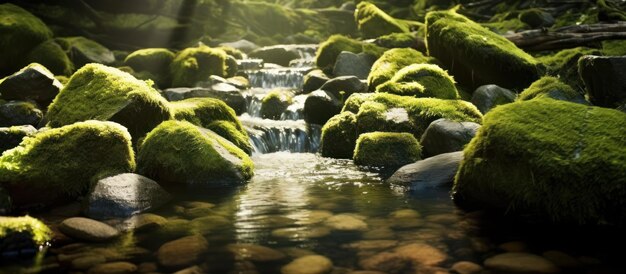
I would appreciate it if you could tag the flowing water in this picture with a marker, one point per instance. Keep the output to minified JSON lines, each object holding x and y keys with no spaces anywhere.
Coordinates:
{"x":299,"y":203}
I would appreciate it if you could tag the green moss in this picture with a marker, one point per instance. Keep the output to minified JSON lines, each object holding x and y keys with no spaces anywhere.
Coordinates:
{"x":373,"y":22}
{"x":339,"y":136}
{"x":98,"y":92}
{"x":391,"y":62}
{"x":387,"y":149}
{"x":204,"y":112}
{"x":547,"y":158}
{"x":550,"y":87}
{"x":398,"y":40}
{"x":20,"y":32}
{"x":421,"y":80}
{"x":275,"y":103}
{"x":38,"y":231}
{"x":52,"y":56}
{"x":180,"y":153}
{"x":564,"y":64}
{"x":237,"y":54}
{"x":193,"y":65}
{"x":614,"y":47}
{"x":156,"y":61}
{"x":354,"y":102}
{"x":65,"y":160}
{"x":475,"y":55}
{"x":331,"y":48}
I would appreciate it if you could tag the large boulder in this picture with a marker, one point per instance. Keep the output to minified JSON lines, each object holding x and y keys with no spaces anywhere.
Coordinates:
{"x":475,"y":55}
{"x":443,"y":136}
{"x":342,"y":87}
{"x":155,"y":61}
{"x":551,"y":87}
{"x":16,"y":113}
{"x":421,"y":80}
{"x":180,"y":154}
{"x":605,"y":79}
{"x":489,"y":96}
{"x":547,"y":159}
{"x":215,"y":115}
{"x":19,"y":234}
{"x":353,"y":64}
{"x":314,"y":80}
{"x":33,"y":82}
{"x":373,"y":22}
{"x":330,"y":49}
{"x":83,"y":51}
{"x":104,"y":93}
{"x":339,"y":136}
{"x":280,"y":54}
{"x":124,"y":195}
{"x":275,"y":103}
{"x":320,"y":106}
{"x":222,"y":91}
{"x":11,"y":137}
{"x":60,"y":162}
{"x":391,"y":62}
{"x":386,"y":149}
{"x":52,"y":56}
{"x":20,"y":32}
{"x":194,"y":65}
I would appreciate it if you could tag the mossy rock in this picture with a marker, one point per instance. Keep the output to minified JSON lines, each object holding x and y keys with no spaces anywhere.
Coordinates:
{"x":20,"y":32}
{"x":61,"y":160}
{"x":614,"y":47}
{"x":330,"y":49}
{"x":53,"y":57}
{"x":391,"y":62}
{"x":547,"y":159}
{"x":354,"y":102}
{"x":194,"y":65}
{"x":564,"y":64}
{"x":180,"y":154}
{"x":18,"y":113}
{"x":98,"y":92}
{"x":373,"y":22}
{"x":421,"y":80}
{"x":156,"y":61}
{"x":475,"y":55}
{"x":400,"y":40}
{"x":551,"y":87}
{"x":11,"y":137}
{"x":386,"y":149}
{"x":339,"y":136}
{"x":215,"y":115}
{"x":15,"y":230}
{"x":275,"y":103}
{"x":83,"y":51}
{"x":235,"y":53}
{"x":31,"y":83}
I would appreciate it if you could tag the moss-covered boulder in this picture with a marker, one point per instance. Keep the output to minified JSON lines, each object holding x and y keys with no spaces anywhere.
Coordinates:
{"x":391,"y":62}
{"x":548,"y":159}
{"x":98,"y":92}
{"x":33,"y":82}
{"x":18,"y":113}
{"x":373,"y":22}
{"x":20,"y":32}
{"x":83,"y":51}
{"x":156,"y":61}
{"x":11,"y":137}
{"x":194,"y":65}
{"x":52,"y":56}
{"x":551,"y":87}
{"x":22,"y":233}
{"x":401,"y":40}
{"x":275,"y":103}
{"x":386,"y":149}
{"x":215,"y":115}
{"x":421,"y":80}
{"x":328,"y":51}
{"x":564,"y":64}
{"x":339,"y":136}
{"x":475,"y":55}
{"x":64,"y":161}
{"x":180,"y":154}
{"x":354,"y":102}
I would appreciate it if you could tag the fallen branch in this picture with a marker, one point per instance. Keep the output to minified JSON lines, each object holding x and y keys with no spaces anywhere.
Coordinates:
{"x":567,"y":37}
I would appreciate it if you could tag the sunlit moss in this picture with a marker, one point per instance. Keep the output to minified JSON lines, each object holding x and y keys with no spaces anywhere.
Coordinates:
{"x":62,"y":159}
{"x":52,"y":56}
{"x":230,"y":132}
{"x":238,"y":54}
{"x":354,"y":102}
{"x":398,"y":40}
{"x":373,"y":22}
{"x":574,"y":166}
{"x":564,"y":64}
{"x":614,"y":47}
{"x":391,"y":62}
{"x":39,"y":232}
{"x":339,"y":136}
{"x":193,"y":65}
{"x":550,"y":87}
{"x":421,"y":80}
{"x":389,"y":149}
{"x":157,"y":61}
{"x":275,"y":103}
{"x":331,"y":48}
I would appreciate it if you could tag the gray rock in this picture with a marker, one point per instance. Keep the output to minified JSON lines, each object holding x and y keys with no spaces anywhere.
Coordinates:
{"x":605,"y":79}
{"x":433,"y":172}
{"x":342,"y":87}
{"x":350,"y":64}
{"x":279,"y":54}
{"x":443,"y":136}
{"x":222,"y":91}
{"x":124,"y":195}
{"x":34,"y":83}
{"x":17,"y":113}
{"x":11,"y":137}
{"x":489,"y":96}
{"x":517,"y":262}
{"x":314,"y":80}
{"x":83,"y":51}
{"x":320,"y":106}
{"x":465,"y":267}
{"x":88,"y":230}
{"x":243,"y":45}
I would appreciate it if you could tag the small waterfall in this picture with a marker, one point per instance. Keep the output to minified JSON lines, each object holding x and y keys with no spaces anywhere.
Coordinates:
{"x":296,"y":110}
{"x":269,"y":136}
{"x":277,"y":77}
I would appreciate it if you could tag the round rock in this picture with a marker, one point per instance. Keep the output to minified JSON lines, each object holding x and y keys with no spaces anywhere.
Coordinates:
{"x":88,"y":230}
{"x":182,"y":252}
{"x":313,"y":264}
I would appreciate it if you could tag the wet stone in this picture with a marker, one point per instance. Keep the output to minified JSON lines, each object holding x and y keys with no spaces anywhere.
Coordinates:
{"x":255,"y":253}
{"x":301,"y":233}
{"x":422,"y":254}
{"x":313,"y":264}
{"x":517,"y":262}
{"x":346,"y":222}
{"x":113,"y":268}
{"x":405,"y":213}
{"x":182,"y":252}
{"x":86,"y":262}
{"x":466,"y":267}
{"x":386,"y":262}
{"x":88,"y":230}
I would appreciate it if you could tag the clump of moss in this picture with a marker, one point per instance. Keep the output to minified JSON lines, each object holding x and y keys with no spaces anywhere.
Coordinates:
{"x":475,"y":55}
{"x":329,"y":50}
{"x":179,"y":153}
{"x":61,"y":160}
{"x":156,"y":61}
{"x":386,"y":149}
{"x":51,"y":55}
{"x":39,"y":233}
{"x":373,"y":22}
{"x":421,"y":80}
{"x":354,"y":102}
{"x":20,"y":32}
{"x":236,"y":53}
{"x":205,"y":112}
{"x":564,"y":64}
{"x":104,"y":93}
{"x":339,"y":136}
{"x":613,"y":48}
{"x":398,"y":40}
{"x":275,"y":103}
{"x":573,"y":167}
{"x":391,"y":62}
{"x":551,"y":87}
{"x":193,"y":65}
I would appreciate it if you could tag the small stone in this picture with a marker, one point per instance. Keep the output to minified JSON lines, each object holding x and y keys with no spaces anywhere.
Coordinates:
{"x":113,"y":268}
{"x":422,"y":254}
{"x":387,"y":262}
{"x":445,"y":136}
{"x":88,"y":230}
{"x":255,"y":253}
{"x":191,"y":270}
{"x":182,"y":252}
{"x":466,"y":267}
{"x":313,"y":217}
{"x":406,"y":223}
{"x":489,"y":96}
{"x":517,"y":262}
{"x":346,"y":222}
{"x":142,"y":222}
{"x":86,"y":262}
{"x":314,"y":264}
{"x":405,"y":213}
{"x":445,"y":219}
{"x":371,"y":244}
